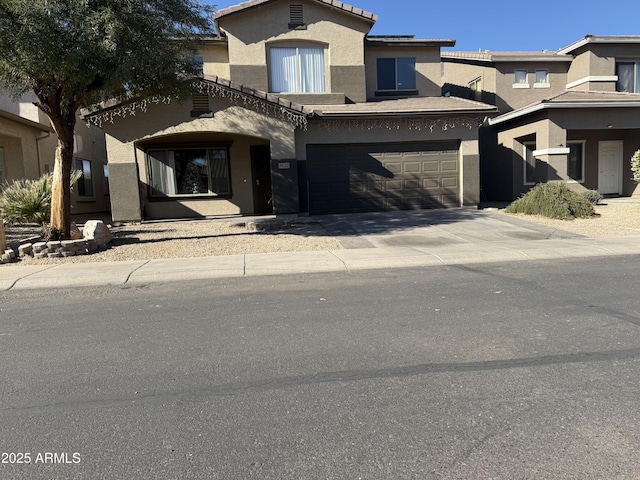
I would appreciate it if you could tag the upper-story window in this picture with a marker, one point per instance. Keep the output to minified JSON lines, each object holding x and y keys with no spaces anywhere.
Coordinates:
{"x":297,"y":70}
{"x":397,"y":73}
{"x":475,"y":89}
{"x":628,"y":77}
{"x":542,"y":79}
{"x":520,"y":79}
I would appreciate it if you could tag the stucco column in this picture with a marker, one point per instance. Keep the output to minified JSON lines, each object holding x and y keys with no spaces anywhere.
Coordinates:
{"x":551,"y":148}
{"x":124,"y":183}
{"x":470,"y":174}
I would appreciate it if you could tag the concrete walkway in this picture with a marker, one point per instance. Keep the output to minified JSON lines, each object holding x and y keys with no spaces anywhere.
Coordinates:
{"x":501,"y":248}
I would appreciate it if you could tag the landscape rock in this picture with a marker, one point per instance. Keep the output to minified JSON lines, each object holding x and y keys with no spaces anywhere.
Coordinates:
{"x":75,"y":233}
{"x":97,"y":231}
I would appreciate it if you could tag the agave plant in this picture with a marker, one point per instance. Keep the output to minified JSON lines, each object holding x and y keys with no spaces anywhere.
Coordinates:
{"x":29,"y":201}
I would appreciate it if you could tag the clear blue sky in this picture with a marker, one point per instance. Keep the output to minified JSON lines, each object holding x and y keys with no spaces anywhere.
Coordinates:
{"x":500,"y":25}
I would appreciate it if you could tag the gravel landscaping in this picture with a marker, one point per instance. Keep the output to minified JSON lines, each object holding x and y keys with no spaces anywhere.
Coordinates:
{"x":192,"y":238}
{"x":204,"y":238}
{"x":617,"y":216}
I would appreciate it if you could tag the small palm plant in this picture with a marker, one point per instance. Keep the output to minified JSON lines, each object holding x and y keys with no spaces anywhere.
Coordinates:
{"x":29,"y":201}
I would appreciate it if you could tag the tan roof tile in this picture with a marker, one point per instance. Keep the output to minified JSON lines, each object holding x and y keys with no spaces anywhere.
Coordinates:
{"x":333,"y":3}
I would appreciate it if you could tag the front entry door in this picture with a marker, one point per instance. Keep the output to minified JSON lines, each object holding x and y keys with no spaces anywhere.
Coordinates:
{"x":261,"y":173}
{"x":610,"y":167}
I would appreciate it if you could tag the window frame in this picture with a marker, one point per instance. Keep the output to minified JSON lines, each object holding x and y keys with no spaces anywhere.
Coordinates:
{"x":546,"y":83}
{"x":582,"y":144}
{"x":83,"y":181}
{"x":474,"y":91}
{"x":166,"y":167}
{"x":299,"y":69}
{"x":636,"y":75}
{"x":413,"y":85}
{"x":528,"y":147}
{"x":523,"y":84}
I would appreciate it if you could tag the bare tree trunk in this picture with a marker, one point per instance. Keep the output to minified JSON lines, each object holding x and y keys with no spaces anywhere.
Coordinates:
{"x":61,"y":186}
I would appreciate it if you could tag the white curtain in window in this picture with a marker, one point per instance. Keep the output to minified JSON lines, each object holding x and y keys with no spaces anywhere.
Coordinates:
{"x":312,"y":69}
{"x":625,"y":77}
{"x":284,"y":70}
{"x":162,"y":175}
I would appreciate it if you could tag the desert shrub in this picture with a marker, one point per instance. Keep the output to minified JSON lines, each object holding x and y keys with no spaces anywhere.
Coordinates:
{"x":553,"y":200}
{"x":593,"y":196}
{"x":635,"y":166}
{"x":29,"y":201}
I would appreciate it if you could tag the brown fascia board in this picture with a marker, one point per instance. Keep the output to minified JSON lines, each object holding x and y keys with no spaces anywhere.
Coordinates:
{"x":406,"y":42}
{"x":330,"y":3}
{"x":610,"y":39}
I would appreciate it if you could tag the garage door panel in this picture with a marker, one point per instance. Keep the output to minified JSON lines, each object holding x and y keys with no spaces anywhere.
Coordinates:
{"x":376,"y":177}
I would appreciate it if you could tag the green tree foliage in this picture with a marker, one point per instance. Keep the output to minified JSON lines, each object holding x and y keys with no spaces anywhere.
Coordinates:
{"x":635,"y":166}
{"x":75,"y":53}
{"x":553,"y":200}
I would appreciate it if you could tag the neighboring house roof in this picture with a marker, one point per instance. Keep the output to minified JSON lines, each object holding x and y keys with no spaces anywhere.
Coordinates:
{"x":25,"y":121}
{"x":331,"y":3}
{"x":404,"y":107}
{"x":494,"y":57}
{"x":572,"y":100}
{"x":587,"y":39}
{"x":406,"y":41}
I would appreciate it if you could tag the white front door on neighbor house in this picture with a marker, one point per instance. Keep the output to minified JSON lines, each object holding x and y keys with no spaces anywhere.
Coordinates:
{"x":610,"y":167}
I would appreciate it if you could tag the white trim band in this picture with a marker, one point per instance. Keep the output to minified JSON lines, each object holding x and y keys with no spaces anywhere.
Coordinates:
{"x":595,"y":78}
{"x":551,"y":151}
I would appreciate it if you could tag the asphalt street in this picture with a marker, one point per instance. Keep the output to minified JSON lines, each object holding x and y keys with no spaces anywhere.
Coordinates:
{"x":491,"y":371}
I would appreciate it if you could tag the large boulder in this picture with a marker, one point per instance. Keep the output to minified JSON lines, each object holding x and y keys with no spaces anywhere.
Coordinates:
{"x":97,"y":231}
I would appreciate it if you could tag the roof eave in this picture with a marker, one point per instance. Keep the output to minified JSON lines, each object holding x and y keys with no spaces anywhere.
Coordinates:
{"x":562,"y":105}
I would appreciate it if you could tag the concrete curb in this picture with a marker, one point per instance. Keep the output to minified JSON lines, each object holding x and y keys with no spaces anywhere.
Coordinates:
{"x":13,"y":277}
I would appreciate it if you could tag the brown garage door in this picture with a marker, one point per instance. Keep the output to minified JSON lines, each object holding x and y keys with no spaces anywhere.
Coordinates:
{"x":381,"y":177}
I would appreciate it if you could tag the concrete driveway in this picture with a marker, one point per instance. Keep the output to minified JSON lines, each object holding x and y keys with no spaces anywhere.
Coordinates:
{"x":432,"y":228}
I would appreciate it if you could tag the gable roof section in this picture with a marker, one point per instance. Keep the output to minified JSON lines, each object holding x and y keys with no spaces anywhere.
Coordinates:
{"x":242,"y":95}
{"x":611,"y":39}
{"x":330,"y":3}
{"x":572,"y":100}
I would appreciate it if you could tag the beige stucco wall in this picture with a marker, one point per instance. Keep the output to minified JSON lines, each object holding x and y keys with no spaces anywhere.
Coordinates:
{"x":22,"y":149}
{"x":215,"y":60}
{"x":252,"y":31}
{"x":428,"y":68}
{"x":510,"y":98}
{"x":461,"y":74}
{"x":172,"y":125}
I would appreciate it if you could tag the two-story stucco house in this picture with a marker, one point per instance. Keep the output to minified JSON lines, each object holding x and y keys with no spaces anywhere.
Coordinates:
{"x":571,"y":115}
{"x":27,"y":151}
{"x":299,"y":110}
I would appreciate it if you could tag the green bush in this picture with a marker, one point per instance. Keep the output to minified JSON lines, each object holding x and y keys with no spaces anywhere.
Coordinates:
{"x":553,"y":200}
{"x":593,"y":196}
{"x":29,"y":201}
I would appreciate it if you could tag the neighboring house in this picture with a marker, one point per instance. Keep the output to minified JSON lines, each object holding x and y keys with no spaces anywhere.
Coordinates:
{"x":570,"y":116}
{"x":27,"y":151}
{"x":299,"y":111}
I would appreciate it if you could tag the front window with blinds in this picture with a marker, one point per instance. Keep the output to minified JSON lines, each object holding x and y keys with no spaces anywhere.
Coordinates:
{"x":192,"y":172}
{"x":628,"y":77}
{"x":575,"y":161}
{"x":297,"y":70}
